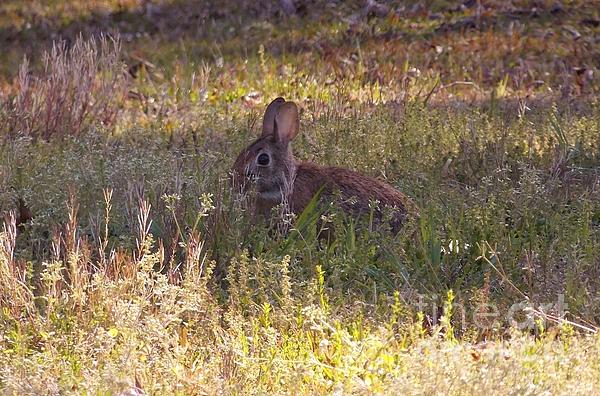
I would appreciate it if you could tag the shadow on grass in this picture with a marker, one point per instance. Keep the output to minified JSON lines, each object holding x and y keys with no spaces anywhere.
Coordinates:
{"x":333,"y":32}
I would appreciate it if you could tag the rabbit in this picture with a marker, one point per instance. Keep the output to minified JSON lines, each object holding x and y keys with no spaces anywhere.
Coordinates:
{"x":278,"y":178}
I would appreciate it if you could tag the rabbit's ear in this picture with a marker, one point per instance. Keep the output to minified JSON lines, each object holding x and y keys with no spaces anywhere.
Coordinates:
{"x":287,"y":123}
{"x":269,"y":118}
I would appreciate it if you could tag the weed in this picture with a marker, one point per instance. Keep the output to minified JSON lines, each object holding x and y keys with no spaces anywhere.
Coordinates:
{"x":139,"y":269}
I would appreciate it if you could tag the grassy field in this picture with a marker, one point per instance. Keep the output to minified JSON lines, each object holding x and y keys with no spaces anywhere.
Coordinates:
{"x":128,"y":266}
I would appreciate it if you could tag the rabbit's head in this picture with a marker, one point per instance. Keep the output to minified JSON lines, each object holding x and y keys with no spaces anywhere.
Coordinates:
{"x":268,"y":163}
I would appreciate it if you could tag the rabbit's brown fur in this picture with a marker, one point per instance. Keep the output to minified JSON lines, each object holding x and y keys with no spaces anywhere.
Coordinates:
{"x":280,"y":178}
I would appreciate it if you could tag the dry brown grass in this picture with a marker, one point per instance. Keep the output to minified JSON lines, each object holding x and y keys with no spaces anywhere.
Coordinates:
{"x":79,"y":87}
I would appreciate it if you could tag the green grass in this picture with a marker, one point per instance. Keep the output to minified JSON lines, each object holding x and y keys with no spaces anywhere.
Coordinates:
{"x":142,"y":268}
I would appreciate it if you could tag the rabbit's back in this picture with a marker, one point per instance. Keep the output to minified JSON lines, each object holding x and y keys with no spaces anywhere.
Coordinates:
{"x":356,"y":190}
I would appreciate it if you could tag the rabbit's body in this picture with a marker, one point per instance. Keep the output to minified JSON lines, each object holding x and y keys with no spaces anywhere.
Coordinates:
{"x":281,"y":179}
{"x":358,"y":192}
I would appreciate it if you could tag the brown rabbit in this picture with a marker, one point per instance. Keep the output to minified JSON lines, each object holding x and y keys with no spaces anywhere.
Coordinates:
{"x":281,"y":179}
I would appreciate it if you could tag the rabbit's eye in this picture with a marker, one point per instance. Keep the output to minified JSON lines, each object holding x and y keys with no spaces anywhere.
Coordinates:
{"x":263,"y":159}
